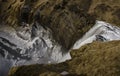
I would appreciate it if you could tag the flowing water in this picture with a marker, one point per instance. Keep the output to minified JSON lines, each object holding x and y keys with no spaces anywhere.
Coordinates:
{"x":101,"y":31}
{"x":30,"y":45}
{"x":35,"y":45}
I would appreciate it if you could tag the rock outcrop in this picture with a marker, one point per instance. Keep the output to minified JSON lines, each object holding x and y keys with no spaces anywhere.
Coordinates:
{"x":108,"y":10}
{"x":94,"y":59}
{"x":68,"y":20}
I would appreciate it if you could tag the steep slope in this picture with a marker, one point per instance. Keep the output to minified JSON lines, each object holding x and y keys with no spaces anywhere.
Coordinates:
{"x":68,"y":20}
{"x":63,"y":22}
{"x":106,"y":10}
{"x":94,"y":59}
{"x":75,"y":16}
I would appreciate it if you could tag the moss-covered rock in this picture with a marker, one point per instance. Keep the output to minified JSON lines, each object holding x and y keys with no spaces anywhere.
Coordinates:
{"x":68,"y":20}
{"x":106,"y":10}
{"x":94,"y":59}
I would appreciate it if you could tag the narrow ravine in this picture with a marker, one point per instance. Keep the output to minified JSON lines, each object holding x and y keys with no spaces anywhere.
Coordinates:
{"x":37,"y":46}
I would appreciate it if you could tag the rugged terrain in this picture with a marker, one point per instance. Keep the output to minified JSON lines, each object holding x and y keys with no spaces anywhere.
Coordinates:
{"x":71,"y":17}
{"x":94,"y":59}
{"x":68,"y":20}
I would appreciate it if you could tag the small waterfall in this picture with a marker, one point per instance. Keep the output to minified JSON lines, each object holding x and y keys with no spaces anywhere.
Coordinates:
{"x":101,"y":31}
{"x":35,"y":44}
{"x":30,"y":45}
